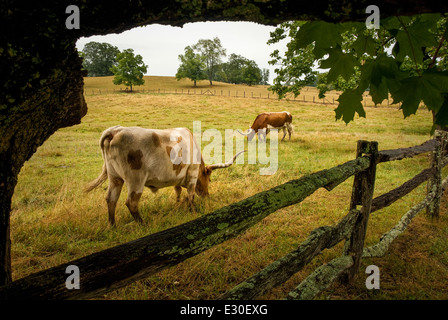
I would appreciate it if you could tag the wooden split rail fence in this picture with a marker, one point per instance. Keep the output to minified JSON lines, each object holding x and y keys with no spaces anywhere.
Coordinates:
{"x":118,"y":266}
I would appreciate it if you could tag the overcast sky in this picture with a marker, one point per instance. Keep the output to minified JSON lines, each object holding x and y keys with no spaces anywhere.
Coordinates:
{"x":161,"y":45}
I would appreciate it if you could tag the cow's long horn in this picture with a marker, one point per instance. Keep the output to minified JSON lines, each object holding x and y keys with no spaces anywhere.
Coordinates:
{"x":225,"y":165}
{"x":245,"y":133}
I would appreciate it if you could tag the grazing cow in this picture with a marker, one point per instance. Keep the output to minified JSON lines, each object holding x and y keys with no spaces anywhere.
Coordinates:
{"x":153,"y":158}
{"x":270,"y":120}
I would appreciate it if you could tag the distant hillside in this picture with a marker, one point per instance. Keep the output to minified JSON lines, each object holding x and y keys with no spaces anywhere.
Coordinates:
{"x":170,"y":85}
{"x":161,"y":84}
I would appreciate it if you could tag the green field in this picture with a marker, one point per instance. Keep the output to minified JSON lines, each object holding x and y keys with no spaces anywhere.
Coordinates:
{"x":53,"y":221}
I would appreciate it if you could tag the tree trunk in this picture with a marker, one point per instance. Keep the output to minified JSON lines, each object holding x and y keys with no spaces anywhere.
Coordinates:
{"x":6,"y":191}
{"x":27,"y":124}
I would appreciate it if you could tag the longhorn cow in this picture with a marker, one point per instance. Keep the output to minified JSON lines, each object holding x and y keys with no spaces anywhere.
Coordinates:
{"x":270,"y":120}
{"x":153,"y":158}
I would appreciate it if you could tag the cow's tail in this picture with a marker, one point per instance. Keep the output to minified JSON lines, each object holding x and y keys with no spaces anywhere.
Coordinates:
{"x":291,"y":127}
{"x":98,"y":181}
{"x":105,"y":139}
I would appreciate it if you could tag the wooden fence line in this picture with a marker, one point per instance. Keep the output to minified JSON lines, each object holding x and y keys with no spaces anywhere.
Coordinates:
{"x":118,"y":266}
{"x":305,"y":98}
{"x":281,"y":270}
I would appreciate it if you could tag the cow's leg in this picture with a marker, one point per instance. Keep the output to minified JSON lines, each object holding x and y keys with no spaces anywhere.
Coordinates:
{"x":113,"y":193}
{"x":132,"y":203}
{"x":190,"y":194}
{"x":289,"y":130}
{"x":262,"y":134}
{"x":284,"y":133}
{"x":178,"y":190}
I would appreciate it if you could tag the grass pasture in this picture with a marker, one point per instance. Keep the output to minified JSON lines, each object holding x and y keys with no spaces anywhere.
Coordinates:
{"x":53,"y":221}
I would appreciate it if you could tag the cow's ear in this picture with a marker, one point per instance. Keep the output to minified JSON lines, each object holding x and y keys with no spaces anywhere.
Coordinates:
{"x":208,"y":171}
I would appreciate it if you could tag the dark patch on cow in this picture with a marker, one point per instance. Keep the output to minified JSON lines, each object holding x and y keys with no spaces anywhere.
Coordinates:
{"x":117,"y":181}
{"x":178,"y":168}
{"x":135,"y":159}
{"x":168,"y":150}
{"x":156,"y":140}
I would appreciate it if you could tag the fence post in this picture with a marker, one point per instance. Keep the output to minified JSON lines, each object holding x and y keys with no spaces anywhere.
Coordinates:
{"x":362,"y":194}
{"x":435,"y":183}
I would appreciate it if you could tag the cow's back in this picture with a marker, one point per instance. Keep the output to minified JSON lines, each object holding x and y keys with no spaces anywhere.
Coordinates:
{"x":272,"y":119}
{"x":152,"y":155}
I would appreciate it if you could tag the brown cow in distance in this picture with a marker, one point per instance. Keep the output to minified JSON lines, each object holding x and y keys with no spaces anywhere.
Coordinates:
{"x":270,"y":120}
{"x":153,"y":158}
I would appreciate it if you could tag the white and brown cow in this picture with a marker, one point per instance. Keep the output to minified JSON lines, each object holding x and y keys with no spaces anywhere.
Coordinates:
{"x":270,"y":120}
{"x":153,"y":158}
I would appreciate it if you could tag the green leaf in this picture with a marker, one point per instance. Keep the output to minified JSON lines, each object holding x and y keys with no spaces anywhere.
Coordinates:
{"x":394,"y":22}
{"x":429,"y":88}
{"x":325,"y":35}
{"x":380,"y":74}
{"x":349,"y":103}
{"x":341,"y":64}
{"x":411,"y":39}
{"x":364,"y":44}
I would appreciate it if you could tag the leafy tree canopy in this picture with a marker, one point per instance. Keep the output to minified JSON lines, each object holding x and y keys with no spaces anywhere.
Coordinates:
{"x":406,"y":58}
{"x":192,"y":66}
{"x":98,"y":58}
{"x":130,"y":69}
{"x":251,"y":74}
{"x":239,"y":69}
{"x":213,"y":52}
{"x":203,"y":60}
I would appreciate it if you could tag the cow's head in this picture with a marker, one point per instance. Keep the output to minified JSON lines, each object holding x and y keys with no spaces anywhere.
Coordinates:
{"x":205,"y":173}
{"x":250,"y":134}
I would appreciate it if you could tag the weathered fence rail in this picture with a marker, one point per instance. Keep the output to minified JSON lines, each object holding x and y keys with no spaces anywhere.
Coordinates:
{"x":118,"y":266}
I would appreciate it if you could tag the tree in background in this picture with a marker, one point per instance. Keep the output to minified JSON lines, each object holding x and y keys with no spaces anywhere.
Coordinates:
{"x":192,"y":66}
{"x":203,"y":60}
{"x":213,"y":52}
{"x":130,"y":69}
{"x":405,"y":57}
{"x":240,"y":70}
{"x":251,"y":74}
{"x":265,"y":76}
{"x":232,"y":69}
{"x":98,"y":58}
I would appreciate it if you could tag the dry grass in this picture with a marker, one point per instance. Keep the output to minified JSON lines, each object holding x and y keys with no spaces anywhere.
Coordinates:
{"x":54,"y":222}
{"x":163,"y":85}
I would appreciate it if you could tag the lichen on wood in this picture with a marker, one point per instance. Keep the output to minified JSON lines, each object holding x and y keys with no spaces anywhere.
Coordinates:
{"x":320,"y":279}
{"x":282,"y":269}
{"x":380,"y":249}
